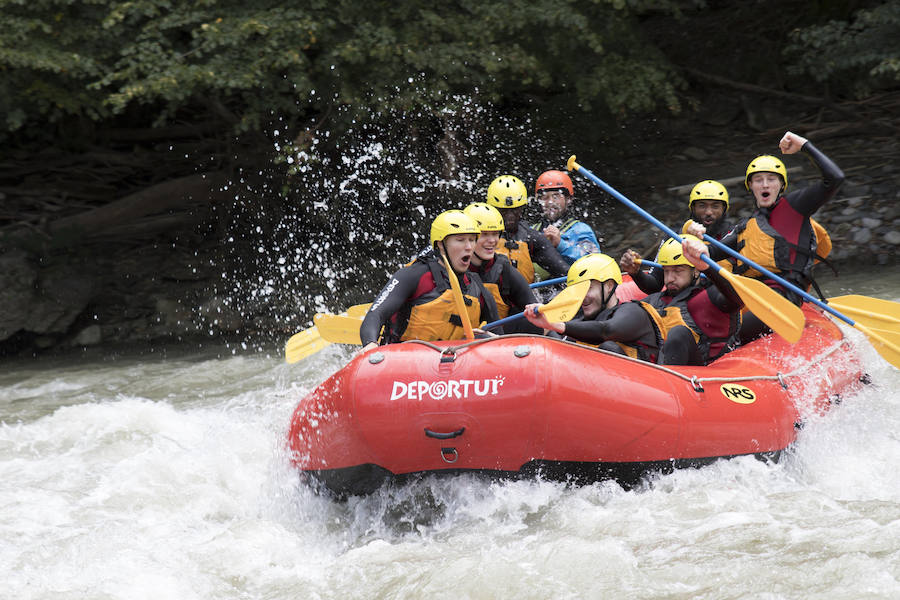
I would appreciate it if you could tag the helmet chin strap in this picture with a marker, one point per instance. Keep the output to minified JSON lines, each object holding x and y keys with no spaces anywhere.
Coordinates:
{"x":603,"y":297}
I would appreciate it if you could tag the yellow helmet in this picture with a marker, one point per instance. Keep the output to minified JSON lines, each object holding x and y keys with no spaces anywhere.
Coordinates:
{"x":486,"y":216}
{"x":708,"y":190}
{"x":594,"y":266}
{"x":451,"y":222}
{"x":507,"y":191}
{"x":766,"y":164}
{"x":670,"y":253}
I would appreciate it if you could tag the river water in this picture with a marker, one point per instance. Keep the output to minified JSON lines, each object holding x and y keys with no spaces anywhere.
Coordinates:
{"x":164,"y":475}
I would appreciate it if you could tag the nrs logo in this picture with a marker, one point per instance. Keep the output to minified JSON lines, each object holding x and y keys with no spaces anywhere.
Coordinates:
{"x":738,"y":393}
{"x":453,"y":388}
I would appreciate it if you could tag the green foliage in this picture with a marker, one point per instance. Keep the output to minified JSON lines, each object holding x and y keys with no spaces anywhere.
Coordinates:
{"x":96,"y":59}
{"x":854,"y":57}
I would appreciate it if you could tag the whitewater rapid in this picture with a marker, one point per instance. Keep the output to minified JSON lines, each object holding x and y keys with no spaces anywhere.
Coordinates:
{"x":166,"y":476}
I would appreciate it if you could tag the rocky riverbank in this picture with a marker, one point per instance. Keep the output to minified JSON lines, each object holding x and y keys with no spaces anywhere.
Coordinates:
{"x":863,"y":220}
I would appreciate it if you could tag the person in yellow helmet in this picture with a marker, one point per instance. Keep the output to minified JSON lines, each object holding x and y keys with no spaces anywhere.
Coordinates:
{"x":781,"y":234}
{"x":700,"y":318}
{"x":417,"y":302}
{"x":511,"y":292}
{"x":708,"y":205}
{"x":604,"y":321}
{"x":524,"y":246}
{"x":684,"y":323}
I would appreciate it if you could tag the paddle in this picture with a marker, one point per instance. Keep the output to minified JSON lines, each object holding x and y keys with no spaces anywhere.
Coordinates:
{"x":547,"y":282}
{"x":562,"y":308}
{"x":785,"y":318}
{"x":458,"y":298}
{"x":338,"y":329}
{"x":358,"y":310}
{"x":303,"y":344}
{"x":874,"y":312}
{"x":309,"y":341}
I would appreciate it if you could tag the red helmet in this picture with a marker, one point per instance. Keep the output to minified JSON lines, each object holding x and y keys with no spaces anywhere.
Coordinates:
{"x":550,"y":180}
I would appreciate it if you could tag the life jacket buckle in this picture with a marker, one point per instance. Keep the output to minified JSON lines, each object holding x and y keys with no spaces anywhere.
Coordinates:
{"x":448,"y":355}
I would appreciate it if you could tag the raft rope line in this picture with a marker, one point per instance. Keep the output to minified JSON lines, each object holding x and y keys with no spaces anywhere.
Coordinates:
{"x":694,"y":380}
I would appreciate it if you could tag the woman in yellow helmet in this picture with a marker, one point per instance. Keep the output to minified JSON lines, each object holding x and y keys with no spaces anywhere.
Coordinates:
{"x":781,"y":234}
{"x":417,"y":302}
{"x":510,"y":289}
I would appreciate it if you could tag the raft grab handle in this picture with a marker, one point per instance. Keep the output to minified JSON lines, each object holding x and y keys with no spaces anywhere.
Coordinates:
{"x":444,"y":436}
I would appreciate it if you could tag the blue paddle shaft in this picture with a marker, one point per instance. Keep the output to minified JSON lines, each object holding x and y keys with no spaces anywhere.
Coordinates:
{"x":780,"y":280}
{"x":615,"y":194}
{"x":517,"y":316}
{"x":717,"y":243}
{"x":508,"y":319}
{"x":538,"y":284}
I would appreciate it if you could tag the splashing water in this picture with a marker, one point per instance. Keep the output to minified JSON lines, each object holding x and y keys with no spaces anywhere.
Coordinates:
{"x":349,"y":216}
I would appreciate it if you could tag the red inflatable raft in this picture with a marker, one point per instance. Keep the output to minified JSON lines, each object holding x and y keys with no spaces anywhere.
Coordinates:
{"x":531,"y":405}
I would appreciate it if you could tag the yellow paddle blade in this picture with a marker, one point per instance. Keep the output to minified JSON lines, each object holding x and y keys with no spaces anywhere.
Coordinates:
{"x":358,"y":310}
{"x":872,"y":312}
{"x":565,"y":304}
{"x":784,"y":317}
{"x":309,"y":341}
{"x":339,"y":329}
{"x":299,"y":352}
{"x":458,"y":299}
{"x":300,"y":345}
{"x":887,"y":343}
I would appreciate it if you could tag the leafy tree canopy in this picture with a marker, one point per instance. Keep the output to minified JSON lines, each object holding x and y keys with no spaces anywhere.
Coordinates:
{"x":96,"y":59}
{"x":857,"y":56}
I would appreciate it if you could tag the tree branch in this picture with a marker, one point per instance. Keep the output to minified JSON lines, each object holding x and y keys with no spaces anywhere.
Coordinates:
{"x":201,"y":188}
{"x":757,"y":89}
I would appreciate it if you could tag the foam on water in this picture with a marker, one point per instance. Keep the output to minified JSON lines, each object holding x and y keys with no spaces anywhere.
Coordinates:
{"x":169,"y":479}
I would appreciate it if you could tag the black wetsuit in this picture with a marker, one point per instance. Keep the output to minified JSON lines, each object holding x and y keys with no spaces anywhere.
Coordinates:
{"x":393,"y":303}
{"x":626,"y":322}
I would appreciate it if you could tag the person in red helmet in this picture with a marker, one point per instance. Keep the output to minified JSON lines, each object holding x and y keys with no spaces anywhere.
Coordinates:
{"x":571,"y":238}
